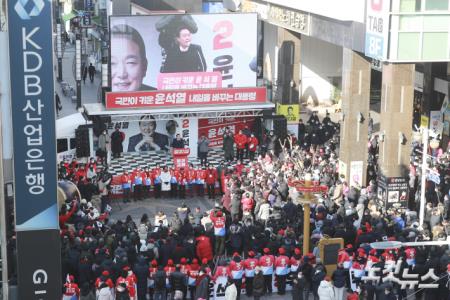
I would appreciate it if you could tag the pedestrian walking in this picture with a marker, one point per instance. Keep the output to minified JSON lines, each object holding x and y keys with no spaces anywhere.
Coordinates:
{"x":92,"y":72}
{"x":85,"y":72}
{"x":57,"y":104}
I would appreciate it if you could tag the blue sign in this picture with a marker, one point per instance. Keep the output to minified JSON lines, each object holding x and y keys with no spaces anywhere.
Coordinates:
{"x":374,"y":46}
{"x":33,"y":114}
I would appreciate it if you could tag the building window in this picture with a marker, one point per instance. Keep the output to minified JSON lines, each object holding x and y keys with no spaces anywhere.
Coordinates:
{"x":410,"y":23}
{"x":436,"y":23}
{"x":410,"y":5}
{"x":436,"y":5}
{"x":435,"y":45}
{"x":408,"y":46}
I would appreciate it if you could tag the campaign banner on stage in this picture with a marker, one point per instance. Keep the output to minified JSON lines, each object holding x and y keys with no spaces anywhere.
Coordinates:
{"x":185,"y":98}
{"x":145,"y":48}
{"x":149,"y":134}
{"x":213,"y":128}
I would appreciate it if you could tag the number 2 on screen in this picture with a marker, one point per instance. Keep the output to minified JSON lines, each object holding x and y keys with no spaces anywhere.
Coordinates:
{"x":225,"y":30}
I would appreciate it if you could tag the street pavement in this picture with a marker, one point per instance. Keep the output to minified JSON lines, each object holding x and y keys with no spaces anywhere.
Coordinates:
{"x":89,"y":91}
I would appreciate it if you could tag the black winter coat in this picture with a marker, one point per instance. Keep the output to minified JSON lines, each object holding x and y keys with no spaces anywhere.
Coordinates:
{"x":339,"y":277}
{"x":141,"y":272}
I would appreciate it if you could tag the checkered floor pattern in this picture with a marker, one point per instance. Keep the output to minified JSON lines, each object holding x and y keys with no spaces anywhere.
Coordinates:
{"x":130,"y":161}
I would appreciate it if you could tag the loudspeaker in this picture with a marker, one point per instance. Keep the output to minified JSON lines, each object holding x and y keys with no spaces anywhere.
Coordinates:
{"x":280,"y":127}
{"x":82,"y":141}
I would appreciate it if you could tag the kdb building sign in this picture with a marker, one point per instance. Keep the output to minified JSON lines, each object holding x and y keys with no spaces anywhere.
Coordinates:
{"x":33,"y":118}
{"x":377,"y":29}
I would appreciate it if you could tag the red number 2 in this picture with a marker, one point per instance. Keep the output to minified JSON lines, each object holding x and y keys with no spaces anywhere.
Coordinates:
{"x":225,"y":30}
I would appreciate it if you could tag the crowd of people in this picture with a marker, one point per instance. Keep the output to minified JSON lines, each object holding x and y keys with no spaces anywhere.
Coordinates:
{"x":254,"y":234}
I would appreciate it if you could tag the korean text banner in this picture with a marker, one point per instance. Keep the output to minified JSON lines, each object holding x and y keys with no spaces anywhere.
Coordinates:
{"x":33,"y":114}
{"x":185,"y":98}
{"x":182,"y":51}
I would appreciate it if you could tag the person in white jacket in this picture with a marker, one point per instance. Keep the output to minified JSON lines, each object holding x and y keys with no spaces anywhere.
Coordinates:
{"x":263,"y":211}
{"x":325,"y":290}
{"x":104,"y":293}
{"x":231,"y":290}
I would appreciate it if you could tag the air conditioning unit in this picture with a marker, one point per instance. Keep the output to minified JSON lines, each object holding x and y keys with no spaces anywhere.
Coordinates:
{"x":232,"y":5}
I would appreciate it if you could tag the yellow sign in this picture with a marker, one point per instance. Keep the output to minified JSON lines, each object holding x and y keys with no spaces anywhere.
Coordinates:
{"x":424,"y":121}
{"x":328,"y":249}
{"x":290,"y":111}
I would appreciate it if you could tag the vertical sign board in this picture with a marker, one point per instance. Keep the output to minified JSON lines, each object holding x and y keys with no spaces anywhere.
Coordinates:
{"x":393,"y":191}
{"x":33,"y":119}
{"x":377,"y":29}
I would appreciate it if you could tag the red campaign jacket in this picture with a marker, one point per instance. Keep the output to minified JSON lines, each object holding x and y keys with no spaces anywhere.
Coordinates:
{"x":121,"y":280}
{"x":108,"y":282}
{"x":80,"y":173}
{"x":252,"y":144}
{"x":169,"y":270}
{"x":155,"y":173}
{"x":295,"y":263}
{"x":185,"y":269}
{"x":221,"y":271}
{"x":191,"y":174}
{"x":201,"y":174}
{"x":204,"y":248}
{"x":151,"y":272}
{"x":125,"y":179}
{"x":71,"y":289}
{"x":211,"y":176}
{"x":249,"y":266}
{"x":131,"y":281}
{"x":181,"y":177}
{"x":240,"y":140}
{"x":193,"y":273}
{"x":236,"y":269}
{"x":282,"y":265}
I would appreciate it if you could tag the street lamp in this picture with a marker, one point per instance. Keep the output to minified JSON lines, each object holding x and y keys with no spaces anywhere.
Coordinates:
{"x":59,"y":48}
{"x":78,"y":69}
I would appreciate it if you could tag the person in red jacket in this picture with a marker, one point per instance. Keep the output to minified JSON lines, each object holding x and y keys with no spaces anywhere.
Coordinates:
{"x":295,"y":262}
{"x":200,"y":181}
{"x":64,"y":216}
{"x":204,"y":248}
{"x":125,"y":180}
{"x":236,"y":271}
{"x":211,"y":178}
{"x":169,"y":269}
{"x":250,"y":265}
{"x":151,"y":275}
{"x":131,"y":281}
{"x":281,"y":270}
{"x":70,"y":289}
{"x":252,"y":146}
{"x":241,"y":143}
{"x":104,"y":278}
{"x":194,"y":269}
{"x":266,"y":263}
{"x":218,"y":220}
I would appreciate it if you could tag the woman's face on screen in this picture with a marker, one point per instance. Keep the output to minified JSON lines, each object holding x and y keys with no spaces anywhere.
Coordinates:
{"x":128,"y":68}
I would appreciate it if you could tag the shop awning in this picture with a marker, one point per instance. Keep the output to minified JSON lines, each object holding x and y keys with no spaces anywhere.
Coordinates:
{"x":69,"y":16}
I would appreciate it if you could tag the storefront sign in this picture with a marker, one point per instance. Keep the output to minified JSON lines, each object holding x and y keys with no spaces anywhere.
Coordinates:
{"x":34,"y":140}
{"x":174,"y":98}
{"x":436,"y":124}
{"x":282,"y":16}
{"x":377,"y":29}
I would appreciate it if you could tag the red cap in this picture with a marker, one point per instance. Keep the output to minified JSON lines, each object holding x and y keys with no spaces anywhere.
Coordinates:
{"x":126,"y":268}
{"x":297,"y":251}
{"x":204,"y":261}
{"x":170,"y":262}
{"x":219,"y":213}
{"x":281,"y":251}
{"x":183,"y":260}
{"x":154,"y":263}
{"x":349,"y":246}
{"x":281,"y":232}
{"x":235,"y":254}
{"x":71,"y":278}
{"x":251,"y":253}
{"x":266,"y":250}
{"x":195,"y":261}
{"x":373,"y":251}
{"x":105,"y":273}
